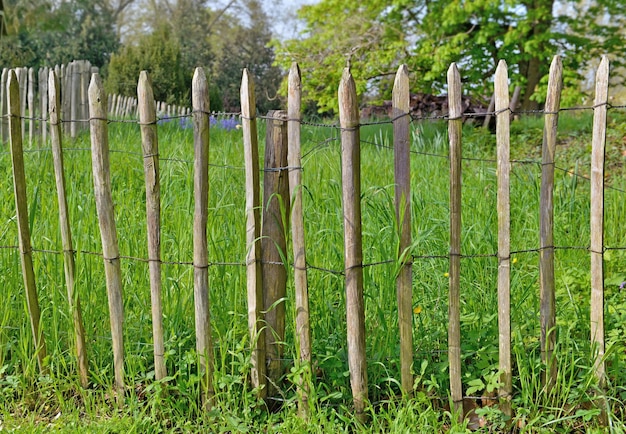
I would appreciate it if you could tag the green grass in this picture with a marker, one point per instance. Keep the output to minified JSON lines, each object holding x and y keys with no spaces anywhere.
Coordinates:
{"x":56,"y":402}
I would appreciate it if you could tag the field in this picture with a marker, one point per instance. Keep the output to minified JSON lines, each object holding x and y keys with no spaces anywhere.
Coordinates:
{"x":56,"y":402}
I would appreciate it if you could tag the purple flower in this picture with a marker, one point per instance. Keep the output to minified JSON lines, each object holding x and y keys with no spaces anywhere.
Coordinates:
{"x":163,"y":120}
{"x":185,"y":123}
{"x":229,"y":124}
{"x":623,"y":285}
{"x":212,"y":120}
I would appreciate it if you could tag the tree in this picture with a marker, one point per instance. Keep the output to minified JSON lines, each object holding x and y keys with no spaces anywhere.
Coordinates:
{"x":375,"y":37}
{"x":160,"y":55}
{"x":47,"y":33}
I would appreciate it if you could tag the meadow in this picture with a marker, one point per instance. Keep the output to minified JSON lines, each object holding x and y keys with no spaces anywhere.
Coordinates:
{"x":30,"y":402}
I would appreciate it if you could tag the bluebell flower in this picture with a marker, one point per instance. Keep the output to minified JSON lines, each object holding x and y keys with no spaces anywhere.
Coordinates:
{"x":212,"y":120}
{"x":229,"y":124}
{"x":163,"y":120}
{"x":185,"y":123}
{"x":623,"y":285}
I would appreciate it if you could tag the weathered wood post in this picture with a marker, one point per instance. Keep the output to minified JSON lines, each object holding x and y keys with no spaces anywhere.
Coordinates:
{"x":4,"y":121}
{"x":402,"y":169}
{"x":75,"y":107}
{"x":353,"y":244}
{"x":274,"y":244}
{"x":455,"y":127}
{"x":106,"y":220}
{"x":21,"y":208}
{"x":32,"y":112}
{"x":150,"y":147}
{"x":546,"y":221}
{"x":254,"y":274}
{"x":64,"y":224}
{"x":43,"y":96}
{"x":294,"y":159}
{"x":22,"y":77}
{"x":597,"y":217}
{"x":204,"y":342}
{"x":503,"y":151}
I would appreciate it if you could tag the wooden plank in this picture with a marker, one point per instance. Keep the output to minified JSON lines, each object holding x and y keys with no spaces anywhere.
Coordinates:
{"x":402,"y":170}
{"x":75,"y":108}
{"x":254,"y":273}
{"x":204,"y":341}
{"x":503,"y":170}
{"x":21,"y":209}
{"x":64,"y":224}
{"x":274,"y":245}
{"x":22,"y":77}
{"x":106,"y":220}
{"x":597,"y":217}
{"x":353,"y":244}
{"x":455,"y":126}
{"x":294,"y":159}
{"x":546,"y":221}
{"x":150,"y":147}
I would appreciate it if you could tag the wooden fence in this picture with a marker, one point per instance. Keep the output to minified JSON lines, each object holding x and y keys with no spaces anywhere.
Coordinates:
{"x":266,"y":273}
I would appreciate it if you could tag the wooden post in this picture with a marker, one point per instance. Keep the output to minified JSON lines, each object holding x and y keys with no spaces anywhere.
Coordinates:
{"x":490,"y":109}
{"x":31,"y":105}
{"x":106,"y":220}
{"x":4,"y":123}
{"x":150,"y":147}
{"x":455,"y":126}
{"x":204,"y":342}
{"x":22,"y":77}
{"x":274,"y":243}
{"x":503,"y":170}
{"x":546,"y":221}
{"x":64,"y":224}
{"x":353,"y":244}
{"x":254,"y":273}
{"x":597,"y":217}
{"x":85,"y":73}
{"x":66,"y":94}
{"x":75,"y":101}
{"x":294,"y":159}
{"x":402,"y":162}
{"x":43,"y":95}
{"x":21,"y":208}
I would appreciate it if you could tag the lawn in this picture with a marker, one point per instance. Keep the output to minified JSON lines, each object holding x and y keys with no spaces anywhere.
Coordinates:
{"x":56,"y":402}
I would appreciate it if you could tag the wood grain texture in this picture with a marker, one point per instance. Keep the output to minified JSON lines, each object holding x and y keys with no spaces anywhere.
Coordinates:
{"x":69,"y":265}
{"x":21,"y":209}
{"x":294,"y":161}
{"x":597,"y":217}
{"x":402,"y":172}
{"x":546,"y":221}
{"x":106,"y":220}
{"x":275,"y":219}
{"x":353,"y":244}
{"x":455,"y":125}
{"x":150,"y":148}
{"x":503,"y":203}
{"x":254,"y":273}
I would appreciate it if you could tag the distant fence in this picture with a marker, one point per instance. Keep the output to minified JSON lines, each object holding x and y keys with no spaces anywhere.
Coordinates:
{"x":266,"y":272}
{"x":74,"y":103}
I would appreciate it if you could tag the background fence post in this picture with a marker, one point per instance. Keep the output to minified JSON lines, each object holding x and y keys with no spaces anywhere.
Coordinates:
{"x":455,"y":126}
{"x":22,"y":77}
{"x":402,"y":167}
{"x":353,"y":244}
{"x":294,"y":160}
{"x":106,"y":220}
{"x":273,"y":243}
{"x":254,"y":273}
{"x":4,"y":121}
{"x":21,"y":208}
{"x":597,"y":217}
{"x":32,"y":112}
{"x":64,"y":224}
{"x":546,"y":221}
{"x":503,"y":170}
{"x":150,"y":147}
{"x":204,"y":343}
{"x":43,"y":96}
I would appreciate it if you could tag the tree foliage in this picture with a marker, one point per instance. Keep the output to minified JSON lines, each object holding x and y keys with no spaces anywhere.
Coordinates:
{"x":375,"y":37}
{"x":43,"y":32}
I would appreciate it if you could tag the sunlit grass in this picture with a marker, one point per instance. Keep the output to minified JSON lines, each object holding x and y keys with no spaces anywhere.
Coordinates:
{"x":30,"y":400}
